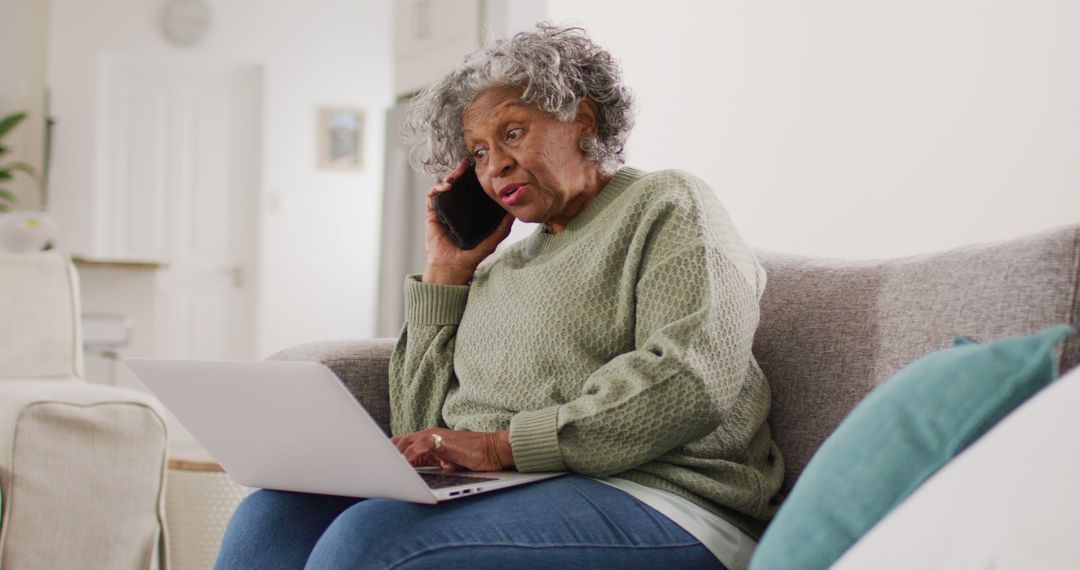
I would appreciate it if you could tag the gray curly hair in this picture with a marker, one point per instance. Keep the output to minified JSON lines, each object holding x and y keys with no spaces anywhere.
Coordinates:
{"x":555,"y":68}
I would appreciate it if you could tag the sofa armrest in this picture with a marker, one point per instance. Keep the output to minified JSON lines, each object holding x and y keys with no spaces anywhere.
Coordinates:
{"x":82,"y":469}
{"x":362,"y":365}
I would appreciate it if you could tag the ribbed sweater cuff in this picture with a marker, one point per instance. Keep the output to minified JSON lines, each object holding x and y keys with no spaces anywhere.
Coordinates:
{"x":431,"y":304}
{"x":534,"y":440}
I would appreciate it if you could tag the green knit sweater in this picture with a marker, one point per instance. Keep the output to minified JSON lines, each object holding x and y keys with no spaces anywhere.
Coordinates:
{"x":618,"y":347}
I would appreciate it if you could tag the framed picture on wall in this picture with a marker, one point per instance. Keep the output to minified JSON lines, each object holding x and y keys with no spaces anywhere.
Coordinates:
{"x":340,"y":133}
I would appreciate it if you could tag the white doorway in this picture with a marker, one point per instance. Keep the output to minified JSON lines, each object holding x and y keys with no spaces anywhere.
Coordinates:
{"x":180,"y":152}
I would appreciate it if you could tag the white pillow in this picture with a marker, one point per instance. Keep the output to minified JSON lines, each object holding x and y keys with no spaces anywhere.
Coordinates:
{"x":1011,"y":500}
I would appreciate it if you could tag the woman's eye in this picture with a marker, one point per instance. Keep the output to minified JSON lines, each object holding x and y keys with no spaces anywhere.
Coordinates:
{"x":513,"y":134}
{"x":479,"y":154}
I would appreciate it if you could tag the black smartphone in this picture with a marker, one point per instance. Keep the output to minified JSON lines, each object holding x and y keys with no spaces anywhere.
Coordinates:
{"x":468,"y":214}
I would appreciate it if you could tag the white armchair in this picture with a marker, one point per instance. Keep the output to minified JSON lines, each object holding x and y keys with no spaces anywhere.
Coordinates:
{"x":82,"y":466}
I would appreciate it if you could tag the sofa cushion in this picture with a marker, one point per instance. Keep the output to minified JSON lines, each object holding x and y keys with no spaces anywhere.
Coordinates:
{"x":82,"y":473}
{"x":903,"y":432}
{"x":832,"y":330}
{"x":40,"y":334}
{"x":1008,"y":501}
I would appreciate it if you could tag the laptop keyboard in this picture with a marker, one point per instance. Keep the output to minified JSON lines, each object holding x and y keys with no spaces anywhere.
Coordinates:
{"x":442,"y":480}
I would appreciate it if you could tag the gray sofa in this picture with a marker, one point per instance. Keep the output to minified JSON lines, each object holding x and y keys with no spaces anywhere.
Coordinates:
{"x":832,"y":330}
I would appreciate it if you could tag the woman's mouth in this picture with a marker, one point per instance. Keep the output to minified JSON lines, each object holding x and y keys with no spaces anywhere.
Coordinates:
{"x":511,"y":194}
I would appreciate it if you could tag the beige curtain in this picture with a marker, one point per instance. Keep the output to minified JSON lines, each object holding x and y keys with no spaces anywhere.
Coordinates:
{"x":402,"y":244}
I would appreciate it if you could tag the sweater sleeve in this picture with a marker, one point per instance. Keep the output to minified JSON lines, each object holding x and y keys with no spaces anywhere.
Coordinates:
{"x":422,"y":365}
{"x":696,"y":315}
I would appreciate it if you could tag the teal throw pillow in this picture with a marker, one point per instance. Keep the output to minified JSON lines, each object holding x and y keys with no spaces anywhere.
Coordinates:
{"x":899,"y":435}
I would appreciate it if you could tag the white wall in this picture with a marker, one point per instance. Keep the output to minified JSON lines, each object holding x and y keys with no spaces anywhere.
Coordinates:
{"x":858,"y":129}
{"x":23,"y":51}
{"x":319,"y":229}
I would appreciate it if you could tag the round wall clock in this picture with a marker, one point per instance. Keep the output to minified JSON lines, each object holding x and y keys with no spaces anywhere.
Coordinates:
{"x":185,"y":22}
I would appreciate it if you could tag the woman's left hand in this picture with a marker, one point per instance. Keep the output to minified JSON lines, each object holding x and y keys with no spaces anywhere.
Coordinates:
{"x":468,"y":450}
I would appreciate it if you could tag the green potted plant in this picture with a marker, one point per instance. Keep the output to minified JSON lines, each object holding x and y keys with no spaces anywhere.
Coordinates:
{"x":8,"y":170}
{"x":20,"y":232}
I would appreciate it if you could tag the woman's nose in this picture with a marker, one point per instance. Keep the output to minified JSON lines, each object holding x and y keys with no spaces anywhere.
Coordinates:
{"x":499,"y":163}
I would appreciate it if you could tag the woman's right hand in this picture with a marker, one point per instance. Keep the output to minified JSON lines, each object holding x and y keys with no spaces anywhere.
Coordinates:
{"x":448,"y":264}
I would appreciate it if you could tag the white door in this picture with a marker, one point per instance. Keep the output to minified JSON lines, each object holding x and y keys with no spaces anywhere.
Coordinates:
{"x":181,"y":160}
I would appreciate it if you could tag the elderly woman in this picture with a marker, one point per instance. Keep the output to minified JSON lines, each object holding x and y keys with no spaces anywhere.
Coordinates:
{"x":612,"y":343}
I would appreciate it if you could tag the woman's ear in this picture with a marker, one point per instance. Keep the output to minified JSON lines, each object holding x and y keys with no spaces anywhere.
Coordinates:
{"x":586,"y":117}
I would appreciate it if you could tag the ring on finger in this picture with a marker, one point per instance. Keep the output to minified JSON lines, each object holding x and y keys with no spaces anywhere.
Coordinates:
{"x":438,"y":440}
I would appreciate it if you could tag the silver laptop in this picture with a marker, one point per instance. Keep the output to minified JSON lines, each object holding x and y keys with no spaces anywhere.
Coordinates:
{"x":293,"y":426}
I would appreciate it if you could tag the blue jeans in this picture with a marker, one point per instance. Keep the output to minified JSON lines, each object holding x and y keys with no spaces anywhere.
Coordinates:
{"x":566,"y":523}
